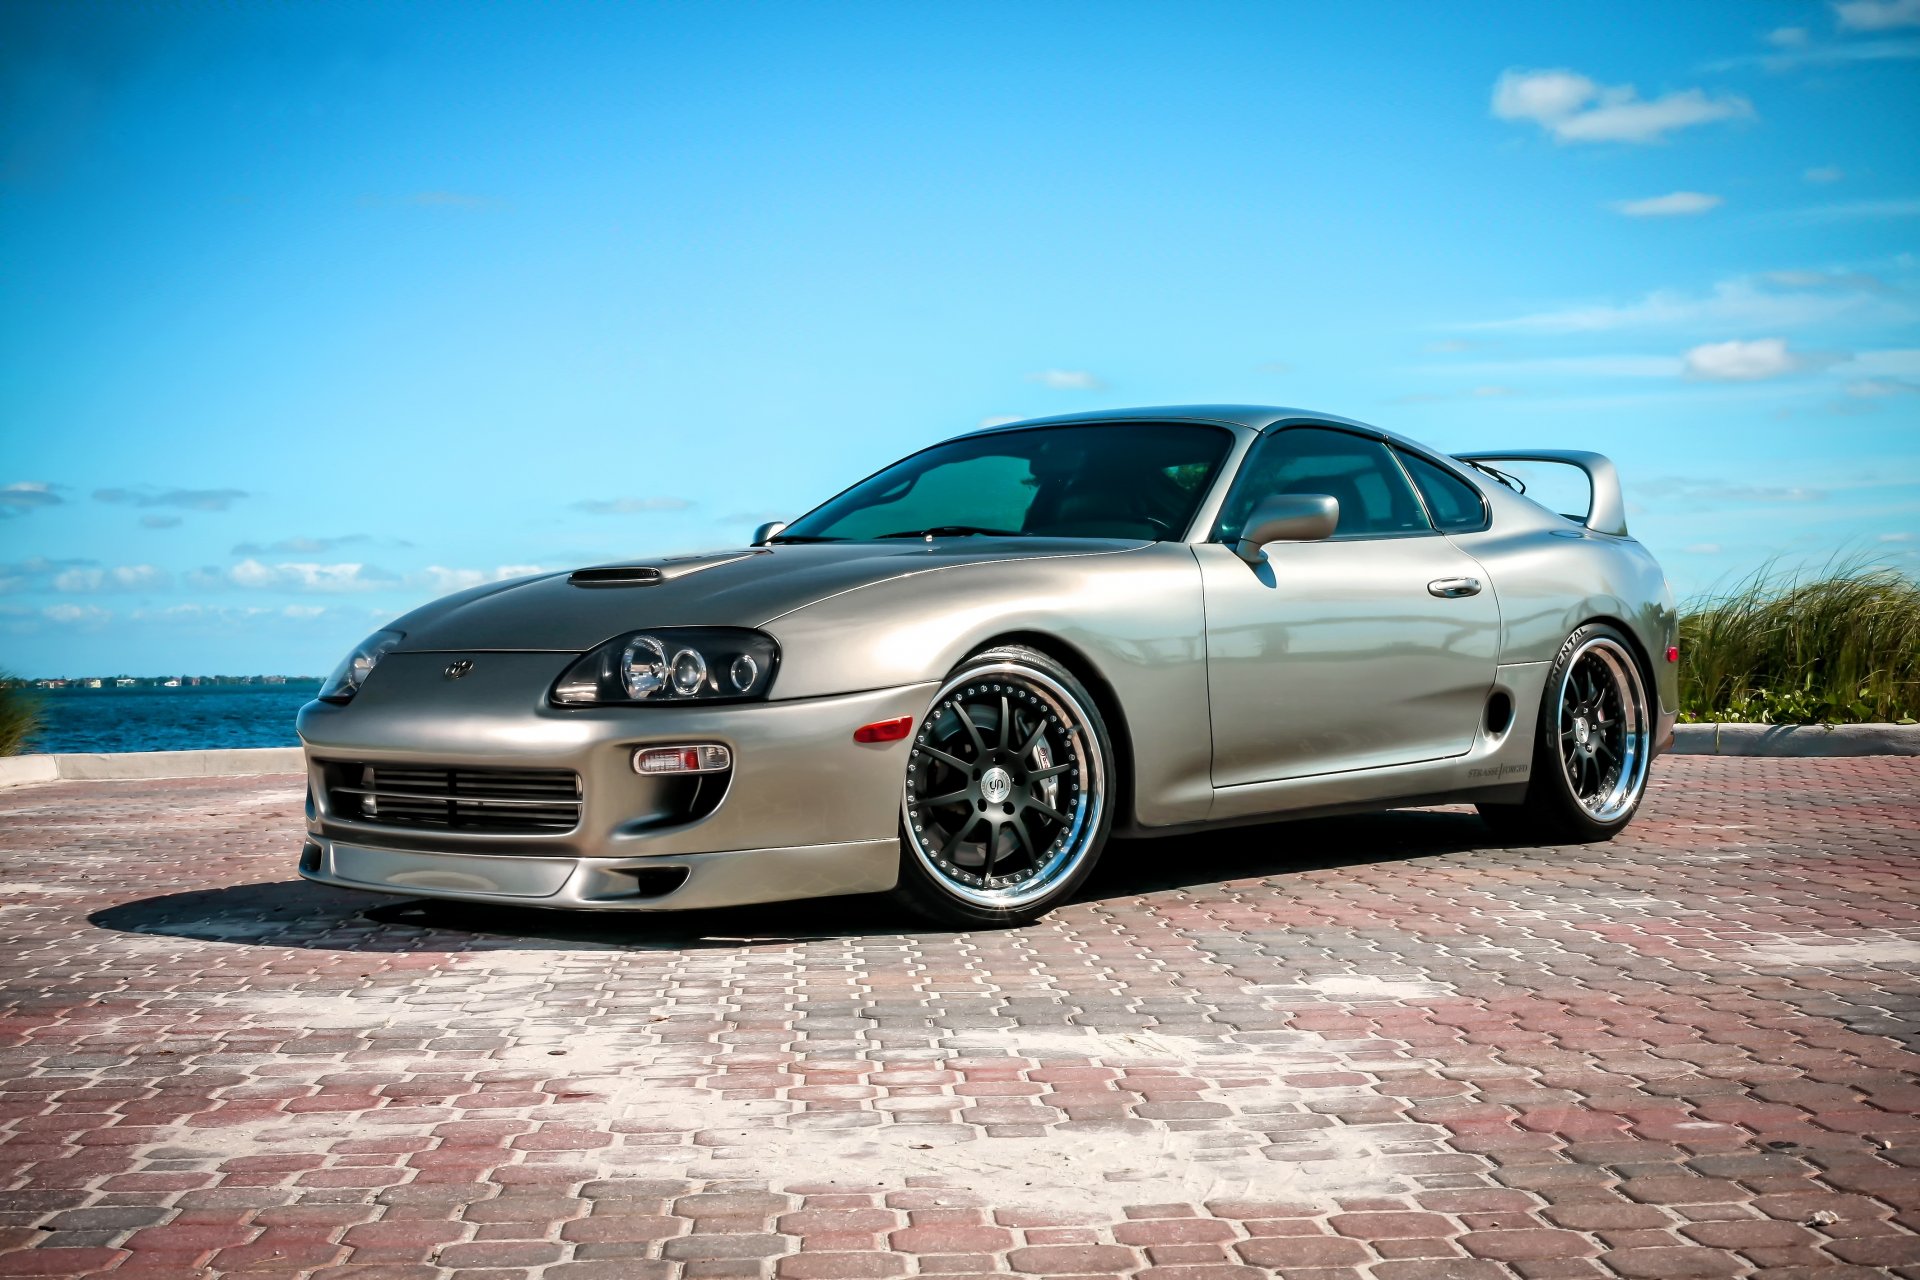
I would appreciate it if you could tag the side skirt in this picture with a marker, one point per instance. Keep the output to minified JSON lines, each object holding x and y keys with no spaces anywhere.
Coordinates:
{"x":1495,"y":769}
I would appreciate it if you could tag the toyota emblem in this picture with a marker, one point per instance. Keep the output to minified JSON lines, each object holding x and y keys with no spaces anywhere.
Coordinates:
{"x":457,"y":669}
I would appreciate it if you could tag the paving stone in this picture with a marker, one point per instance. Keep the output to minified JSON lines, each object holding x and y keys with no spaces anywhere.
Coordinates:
{"x":1688,"y":1052}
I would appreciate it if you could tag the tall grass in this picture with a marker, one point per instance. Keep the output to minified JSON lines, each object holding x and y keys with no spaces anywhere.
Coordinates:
{"x":1841,"y":647}
{"x":19,"y":715}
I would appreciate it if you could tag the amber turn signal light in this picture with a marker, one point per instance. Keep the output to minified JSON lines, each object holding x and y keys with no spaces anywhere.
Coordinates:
{"x":706,"y":758}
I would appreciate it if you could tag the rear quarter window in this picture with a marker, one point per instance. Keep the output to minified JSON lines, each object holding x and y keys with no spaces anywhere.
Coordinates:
{"x":1455,"y":505}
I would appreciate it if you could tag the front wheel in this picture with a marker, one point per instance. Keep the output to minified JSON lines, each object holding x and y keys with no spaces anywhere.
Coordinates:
{"x":1592,"y":748}
{"x":1006,"y":803}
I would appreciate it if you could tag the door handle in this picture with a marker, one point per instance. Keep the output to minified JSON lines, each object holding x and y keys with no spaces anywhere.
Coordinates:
{"x":1454,"y":588}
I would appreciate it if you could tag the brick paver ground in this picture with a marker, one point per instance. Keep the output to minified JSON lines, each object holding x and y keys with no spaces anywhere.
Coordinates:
{"x":1380,"y":1045}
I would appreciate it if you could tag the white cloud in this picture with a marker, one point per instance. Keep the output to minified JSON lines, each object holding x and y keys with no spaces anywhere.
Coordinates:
{"x":1895,"y":362}
{"x":992,"y":420}
{"x":301,"y":545}
{"x":1825,"y":173}
{"x":26,"y":495}
{"x":1854,"y":211}
{"x":1896,"y":537}
{"x":1797,"y":279}
{"x":1881,"y":388}
{"x":1067,"y":380}
{"x":304,"y":610}
{"x":126,"y":577}
{"x":1698,"y":493}
{"x":631,"y":506}
{"x":1877,"y":15}
{"x":1784,"y":300}
{"x":1828,"y":55}
{"x":1738,"y":361}
{"x":441,"y":580}
{"x":221,"y":614}
{"x":77,"y":615}
{"x":1787,"y":37}
{"x":1574,"y":108}
{"x":1676,"y":204}
{"x":309,"y":576}
{"x":1541,"y":96}
{"x":185,"y":499}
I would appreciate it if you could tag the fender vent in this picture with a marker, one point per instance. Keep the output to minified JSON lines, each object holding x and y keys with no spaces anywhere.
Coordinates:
{"x":1499,"y":713}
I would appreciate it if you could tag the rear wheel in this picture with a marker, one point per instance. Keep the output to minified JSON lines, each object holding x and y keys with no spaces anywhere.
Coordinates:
{"x":1005,"y":806}
{"x":1592,"y":748}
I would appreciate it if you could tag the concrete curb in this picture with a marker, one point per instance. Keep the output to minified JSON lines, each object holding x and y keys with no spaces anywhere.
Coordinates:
{"x":1796,"y":740}
{"x":122,"y":765}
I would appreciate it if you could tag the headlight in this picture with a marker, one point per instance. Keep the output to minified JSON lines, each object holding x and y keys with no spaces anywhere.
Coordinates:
{"x":672,"y":665}
{"x":352,"y":673}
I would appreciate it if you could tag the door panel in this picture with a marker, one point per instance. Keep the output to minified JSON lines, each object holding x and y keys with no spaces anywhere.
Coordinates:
{"x":1335,"y":655}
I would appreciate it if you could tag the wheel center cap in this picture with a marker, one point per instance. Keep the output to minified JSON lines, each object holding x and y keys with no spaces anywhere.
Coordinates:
{"x":1580,"y":730}
{"x":996,"y":784}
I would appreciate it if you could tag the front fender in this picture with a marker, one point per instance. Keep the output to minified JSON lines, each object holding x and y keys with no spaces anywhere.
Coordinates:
{"x":1133,"y":619}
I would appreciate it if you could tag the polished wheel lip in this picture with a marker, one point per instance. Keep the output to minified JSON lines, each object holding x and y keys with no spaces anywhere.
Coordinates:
{"x":1072,"y":846}
{"x":1603,"y":728}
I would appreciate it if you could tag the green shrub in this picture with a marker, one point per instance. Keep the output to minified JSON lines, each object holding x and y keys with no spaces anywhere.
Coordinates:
{"x":19,"y":715}
{"x":1839,"y":648}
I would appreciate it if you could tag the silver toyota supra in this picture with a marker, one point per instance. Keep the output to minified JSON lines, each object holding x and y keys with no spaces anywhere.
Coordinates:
{"x":959,"y":678}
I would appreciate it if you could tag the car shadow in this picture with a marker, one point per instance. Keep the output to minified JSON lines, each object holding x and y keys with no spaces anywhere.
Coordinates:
{"x":298,"y":914}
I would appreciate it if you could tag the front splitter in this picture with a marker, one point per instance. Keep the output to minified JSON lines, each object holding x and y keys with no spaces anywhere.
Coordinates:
{"x":731,"y":879}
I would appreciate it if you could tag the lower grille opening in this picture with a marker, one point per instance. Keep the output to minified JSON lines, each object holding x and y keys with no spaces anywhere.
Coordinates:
{"x":657,"y":882}
{"x":488,"y":801}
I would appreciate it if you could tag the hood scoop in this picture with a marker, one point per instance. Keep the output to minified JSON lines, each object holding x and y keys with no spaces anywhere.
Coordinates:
{"x":649,"y":575}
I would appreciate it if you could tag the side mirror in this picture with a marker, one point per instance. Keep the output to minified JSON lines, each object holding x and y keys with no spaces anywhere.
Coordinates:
{"x":767,"y":530}
{"x":1288,"y":517}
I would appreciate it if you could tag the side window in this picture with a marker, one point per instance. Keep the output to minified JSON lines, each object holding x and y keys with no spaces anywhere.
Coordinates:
{"x":1375,"y":499}
{"x":1455,"y":505}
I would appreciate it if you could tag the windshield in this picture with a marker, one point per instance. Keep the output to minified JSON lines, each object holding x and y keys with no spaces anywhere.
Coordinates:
{"x":1114,"y":480}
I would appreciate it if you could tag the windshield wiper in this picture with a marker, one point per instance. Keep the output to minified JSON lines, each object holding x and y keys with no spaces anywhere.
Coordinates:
{"x":955,"y":531}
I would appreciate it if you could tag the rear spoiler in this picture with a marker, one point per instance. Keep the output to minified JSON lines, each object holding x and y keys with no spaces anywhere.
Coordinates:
{"x":1606,"y":512}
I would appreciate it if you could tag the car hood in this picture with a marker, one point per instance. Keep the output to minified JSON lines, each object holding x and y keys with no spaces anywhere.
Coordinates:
{"x":748,"y":587}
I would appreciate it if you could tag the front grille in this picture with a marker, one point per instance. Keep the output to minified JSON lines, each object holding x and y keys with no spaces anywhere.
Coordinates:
{"x":497,"y":801}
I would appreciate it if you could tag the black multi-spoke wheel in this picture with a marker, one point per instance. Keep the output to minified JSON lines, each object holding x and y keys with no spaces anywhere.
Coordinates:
{"x":1004,"y":809}
{"x":1603,"y":729}
{"x":1594,"y":746}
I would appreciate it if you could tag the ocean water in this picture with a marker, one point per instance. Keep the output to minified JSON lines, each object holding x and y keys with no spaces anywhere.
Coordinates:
{"x":189,"y":718}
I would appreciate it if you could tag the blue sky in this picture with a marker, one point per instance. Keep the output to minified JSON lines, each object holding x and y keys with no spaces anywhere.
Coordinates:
{"x":315,"y":312}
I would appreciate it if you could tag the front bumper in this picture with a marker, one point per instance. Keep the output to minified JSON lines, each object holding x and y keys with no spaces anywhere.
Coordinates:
{"x":805,"y":812}
{"x":658,"y":883}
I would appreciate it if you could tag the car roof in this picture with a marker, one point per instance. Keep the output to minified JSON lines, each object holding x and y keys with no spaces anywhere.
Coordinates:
{"x":1257,"y":417}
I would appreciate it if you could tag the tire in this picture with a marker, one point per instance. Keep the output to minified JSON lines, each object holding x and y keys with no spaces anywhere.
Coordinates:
{"x":1007,"y":800}
{"x":1592,"y":747}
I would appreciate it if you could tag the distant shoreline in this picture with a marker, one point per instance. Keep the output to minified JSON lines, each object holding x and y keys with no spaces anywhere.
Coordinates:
{"x":92,"y":684}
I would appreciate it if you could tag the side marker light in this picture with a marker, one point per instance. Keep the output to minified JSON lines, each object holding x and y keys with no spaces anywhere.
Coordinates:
{"x":884,"y":730}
